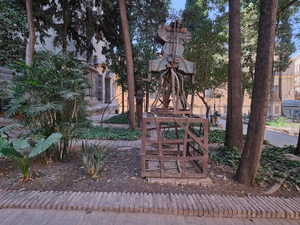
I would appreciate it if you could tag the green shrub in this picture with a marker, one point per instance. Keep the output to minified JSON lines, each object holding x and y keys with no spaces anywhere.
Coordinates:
{"x":49,"y":96}
{"x":16,"y":151}
{"x":109,"y":133}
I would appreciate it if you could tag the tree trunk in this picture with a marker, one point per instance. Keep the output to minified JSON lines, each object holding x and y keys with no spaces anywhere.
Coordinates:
{"x":297,"y":150}
{"x":250,"y":159}
{"x":31,"y":39}
{"x":234,"y":123}
{"x":206,"y":105}
{"x":129,"y":64}
{"x":123,"y":99}
{"x":65,"y":25}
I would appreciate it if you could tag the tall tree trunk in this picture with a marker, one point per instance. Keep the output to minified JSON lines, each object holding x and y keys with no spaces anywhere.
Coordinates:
{"x":249,"y":162}
{"x":65,"y":25}
{"x":123,"y":99}
{"x":280,"y":86}
{"x":31,"y":39}
{"x":234,"y":123}
{"x":129,"y":64}
{"x":297,"y":150}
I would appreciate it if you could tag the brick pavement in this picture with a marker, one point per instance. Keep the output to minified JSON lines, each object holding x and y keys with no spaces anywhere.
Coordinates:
{"x":175,"y":204}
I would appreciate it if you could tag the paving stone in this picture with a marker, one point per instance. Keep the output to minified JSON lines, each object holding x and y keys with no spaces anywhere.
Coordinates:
{"x":122,"y":203}
{"x":7,"y":198}
{"x":127,"y":202}
{"x":269,"y":209}
{"x":194,"y":205}
{"x":200,"y":207}
{"x":189,"y":204}
{"x":166,"y":203}
{"x":276,"y":210}
{"x":18,"y":200}
{"x":247,"y":207}
{"x":207,"y":205}
{"x":97,"y":201}
{"x":68,"y":200}
{"x":15,"y":198}
{"x":255,"y":206}
{"x":261,"y":206}
{"x":28,"y":200}
{"x":75,"y":203}
{"x":101,"y":203}
{"x":289,"y":213}
{"x":160,"y":203}
{"x":184,"y":204}
{"x":116,"y":206}
{"x":224,"y":209}
{"x":203,"y":209}
{"x":296,"y":205}
{"x":230,"y":209}
{"x":141,"y":202}
{"x":179,"y":204}
{"x":36,"y":200}
{"x":150,"y":203}
{"x":136,"y":204}
{"x":146,"y":207}
{"x":131,"y":202}
{"x":155,"y":203}
{"x":86,"y":201}
{"x":173,"y":204}
{"x":60,"y":199}
{"x":108,"y":201}
{"x":217,"y":210}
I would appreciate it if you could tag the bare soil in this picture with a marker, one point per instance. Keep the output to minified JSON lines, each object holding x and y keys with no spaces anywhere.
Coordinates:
{"x":121,"y":173}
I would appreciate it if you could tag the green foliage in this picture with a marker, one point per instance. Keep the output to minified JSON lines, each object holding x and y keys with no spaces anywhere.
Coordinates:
{"x":16,"y":151}
{"x":274,"y":165}
{"x":144,"y":18}
{"x":118,"y":119}
{"x":207,"y":49}
{"x":13,"y":27}
{"x":50,"y":96}
{"x":225,"y":156}
{"x":109,"y":133}
{"x":216,"y":136}
{"x":93,"y":158}
{"x":281,"y":122}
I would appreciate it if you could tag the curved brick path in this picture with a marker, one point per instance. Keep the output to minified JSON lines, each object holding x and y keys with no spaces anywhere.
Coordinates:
{"x":178,"y":204}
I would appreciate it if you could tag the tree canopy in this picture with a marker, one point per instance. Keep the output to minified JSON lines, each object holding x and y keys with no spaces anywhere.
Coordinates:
{"x":12,"y":31}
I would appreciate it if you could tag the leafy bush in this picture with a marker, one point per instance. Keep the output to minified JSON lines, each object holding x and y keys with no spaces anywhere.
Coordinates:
{"x":118,"y":119}
{"x":274,"y":165}
{"x":223,"y":155}
{"x":214,"y":136}
{"x":93,"y":158}
{"x":109,"y":133}
{"x":16,"y":151}
{"x":49,"y":96}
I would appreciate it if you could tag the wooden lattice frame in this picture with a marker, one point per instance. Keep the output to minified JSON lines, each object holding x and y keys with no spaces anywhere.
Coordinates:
{"x":190,"y":153}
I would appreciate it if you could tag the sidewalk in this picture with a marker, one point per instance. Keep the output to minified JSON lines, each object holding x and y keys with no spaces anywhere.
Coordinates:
{"x":57,"y":217}
{"x":148,"y":205}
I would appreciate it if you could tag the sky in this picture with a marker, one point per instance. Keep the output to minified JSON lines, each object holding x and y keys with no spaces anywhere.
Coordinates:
{"x":178,"y":4}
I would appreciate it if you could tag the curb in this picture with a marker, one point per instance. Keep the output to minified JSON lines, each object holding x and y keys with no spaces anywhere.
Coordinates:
{"x":181,"y":204}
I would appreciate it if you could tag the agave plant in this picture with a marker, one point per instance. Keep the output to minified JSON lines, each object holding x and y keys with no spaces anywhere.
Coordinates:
{"x":93,"y":158}
{"x":16,"y":152}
